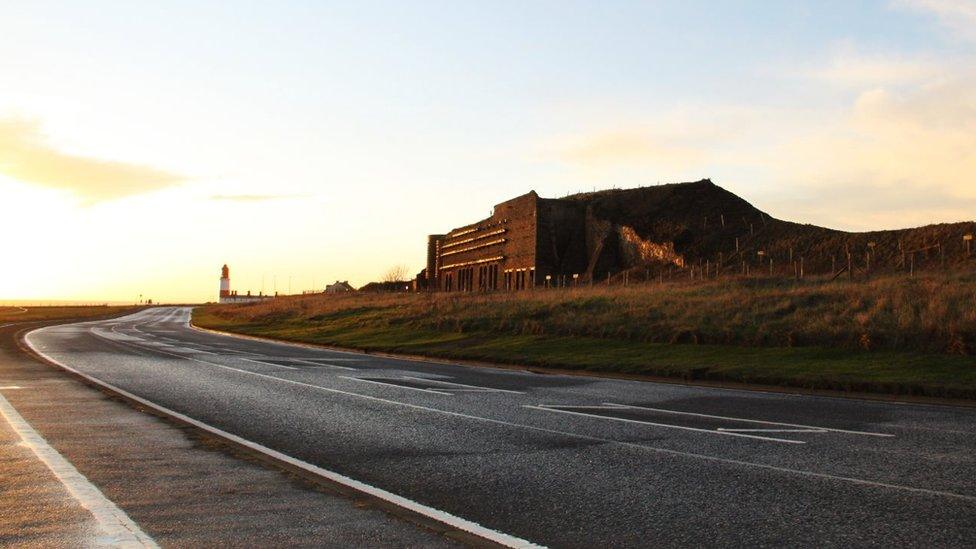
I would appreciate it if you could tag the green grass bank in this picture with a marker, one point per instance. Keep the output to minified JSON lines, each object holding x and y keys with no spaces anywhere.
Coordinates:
{"x":893,"y":335}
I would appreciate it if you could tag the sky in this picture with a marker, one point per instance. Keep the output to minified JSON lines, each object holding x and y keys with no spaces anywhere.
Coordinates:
{"x":143,"y":145}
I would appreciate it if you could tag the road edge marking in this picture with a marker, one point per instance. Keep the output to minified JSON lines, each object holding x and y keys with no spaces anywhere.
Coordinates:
{"x":557,"y":409}
{"x":437,"y":515}
{"x":745,"y":420}
{"x":394,"y":385}
{"x":112,"y":520}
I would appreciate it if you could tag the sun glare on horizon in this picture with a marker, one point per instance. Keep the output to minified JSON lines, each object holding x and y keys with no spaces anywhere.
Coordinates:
{"x":309,"y":143}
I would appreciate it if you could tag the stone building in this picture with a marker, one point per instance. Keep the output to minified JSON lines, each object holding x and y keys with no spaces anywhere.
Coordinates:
{"x":528,"y":241}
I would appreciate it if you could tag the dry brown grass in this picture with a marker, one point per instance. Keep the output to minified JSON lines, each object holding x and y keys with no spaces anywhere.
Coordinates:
{"x":931,"y":313}
{"x":59,"y":312}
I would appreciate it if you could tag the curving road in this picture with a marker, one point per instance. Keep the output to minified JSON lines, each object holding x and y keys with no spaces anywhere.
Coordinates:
{"x":562,"y":460}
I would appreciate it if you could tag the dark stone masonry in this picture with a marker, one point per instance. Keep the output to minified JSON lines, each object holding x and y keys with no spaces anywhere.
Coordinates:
{"x":694,"y":231}
{"x":528,"y":241}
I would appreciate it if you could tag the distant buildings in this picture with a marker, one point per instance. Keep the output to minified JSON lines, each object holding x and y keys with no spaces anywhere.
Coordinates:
{"x":340,"y":287}
{"x":230,"y":296}
{"x":388,"y":287}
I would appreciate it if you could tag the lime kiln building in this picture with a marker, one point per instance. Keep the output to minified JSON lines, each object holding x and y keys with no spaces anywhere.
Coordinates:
{"x":528,"y":241}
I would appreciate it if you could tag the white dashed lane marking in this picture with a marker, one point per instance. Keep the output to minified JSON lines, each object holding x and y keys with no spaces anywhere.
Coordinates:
{"x":746,"y":420}
{"x":570,"y":410}
{"x":395,"y":385}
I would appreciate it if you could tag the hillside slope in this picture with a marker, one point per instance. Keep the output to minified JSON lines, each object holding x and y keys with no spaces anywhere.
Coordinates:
{"x":708,"y":227}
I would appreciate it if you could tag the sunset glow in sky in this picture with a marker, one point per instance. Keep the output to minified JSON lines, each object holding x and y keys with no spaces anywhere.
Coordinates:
{"x":143,"y":146}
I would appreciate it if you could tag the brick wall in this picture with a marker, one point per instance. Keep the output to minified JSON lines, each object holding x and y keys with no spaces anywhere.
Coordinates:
{"x":526,"y":240}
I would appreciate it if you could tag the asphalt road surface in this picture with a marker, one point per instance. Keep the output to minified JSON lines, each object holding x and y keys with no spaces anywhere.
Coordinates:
{"x":563,"y":461}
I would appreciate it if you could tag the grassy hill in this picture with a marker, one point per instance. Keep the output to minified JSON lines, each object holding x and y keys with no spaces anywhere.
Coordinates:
{"x":710,"y":227}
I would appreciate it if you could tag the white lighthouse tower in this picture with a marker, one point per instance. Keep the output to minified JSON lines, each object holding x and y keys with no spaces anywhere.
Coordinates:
{"x":229,"y":296}
{"x":224,"y":284}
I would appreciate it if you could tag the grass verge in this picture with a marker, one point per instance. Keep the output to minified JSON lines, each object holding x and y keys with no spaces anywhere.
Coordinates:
{"x":411,"y":324}
{"x":30,"y":314}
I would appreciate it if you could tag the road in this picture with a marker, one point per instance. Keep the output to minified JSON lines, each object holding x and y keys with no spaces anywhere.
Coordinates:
{"x":81,"y":469}
{"x":562,"y":461}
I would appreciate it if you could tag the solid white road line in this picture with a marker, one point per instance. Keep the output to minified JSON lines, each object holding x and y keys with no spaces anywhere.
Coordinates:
{"x":11,"y":387}
{"x":476,"y":387}
{"x":112,"y":520}
{"x":322,"y":364}
{"x":313,"y":359}
{"x":662,"y":410}
{"x":394,"y":385}
{"x":665,"y":425}
{"x":264,"y":363}
{"x":419,"y":508}
{"x":772,"y":430}
{"x":332,"y":359}
{"x":632,"y":445}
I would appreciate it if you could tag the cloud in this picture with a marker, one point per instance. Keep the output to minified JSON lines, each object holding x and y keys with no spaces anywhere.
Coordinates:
{"x":897,"y":156}
{"x":898,"y":148}
{"x":853,"y":69}
{"x":959,"y":16}
{"x":254,"y":197}
{"x":628,"y":146}
{"x":25,"y":156}
{"x":684,"y":139}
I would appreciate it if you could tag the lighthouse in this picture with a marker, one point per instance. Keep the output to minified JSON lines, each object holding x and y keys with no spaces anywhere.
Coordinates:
{"x":229,"y":296}
{"x":224,"y":282}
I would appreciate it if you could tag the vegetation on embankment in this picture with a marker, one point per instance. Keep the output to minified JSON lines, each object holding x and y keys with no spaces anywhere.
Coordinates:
{"x":29,"y":314}
{"x":893,"y":335}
